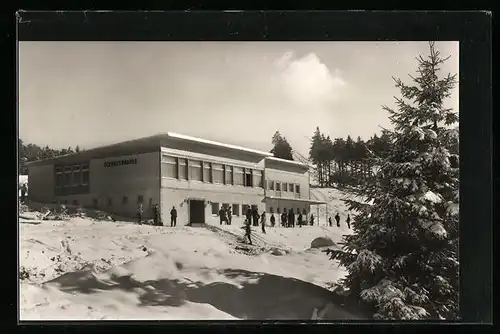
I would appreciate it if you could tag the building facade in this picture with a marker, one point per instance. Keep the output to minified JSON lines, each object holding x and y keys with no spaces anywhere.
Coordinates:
{"x":195,"y":176}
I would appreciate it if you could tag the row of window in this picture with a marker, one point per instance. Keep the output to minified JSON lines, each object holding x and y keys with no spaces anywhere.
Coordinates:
{"x":209,"y":172}
{"x":109,"y":201}
{"x":76,"y":175}
{"x":283,"y":186}
{"x":235,"y":209}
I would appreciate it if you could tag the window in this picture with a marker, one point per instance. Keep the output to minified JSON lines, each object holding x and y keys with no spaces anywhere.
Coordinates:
{"x":215,"y":208}
{"x":304,"y":212}
{"x":236,"y":210}
{"x":207,"y":173}
{"x":110,"y":202}
{"x":238,"y":176}
{"x":225,"y":206}
{"x":278,"y":186}
{"x":77,"y":176}
{"x":278,"y":210}
{"x":290,"y":187}
{"x":271,"y":184}
{"x":218,"y":173}
{"x":67,"y":176}
{"x":244,"y":209}
{"x":297,"y":189}
{"x":140,"y":199}
{"x":248,"y":178}
{"x":271,"y":210}
{"x":257,"y":178}
{"x":75,"y":202}
{"x":59,"y":177}
{"x":298,"y":211}
{"x":85,"y":174}
{"x":195,"y":170}
{"x":229,"y":174}
{"x":169,"y":167}
{"x":182,"y":169}
{"x":124,"y":200}
{"x":95,"y":202}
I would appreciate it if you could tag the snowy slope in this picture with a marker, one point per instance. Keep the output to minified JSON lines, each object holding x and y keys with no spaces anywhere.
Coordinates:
{"x":84,"y":269}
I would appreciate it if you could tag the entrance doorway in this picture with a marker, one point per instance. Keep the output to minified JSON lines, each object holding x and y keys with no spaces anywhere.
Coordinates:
{"x":196,"y":212}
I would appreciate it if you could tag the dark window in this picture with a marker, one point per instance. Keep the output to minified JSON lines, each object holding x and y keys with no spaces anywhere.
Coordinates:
{"x":225,"y":206}
{"x":271,"y":184}
{"x":124,"y":200}
{"x":238,"y":176}
{"x":271,"y":210}
{"x":248,"y":178}
{"x":278,"y":186}
{"x":297,"y":189}
{"x":182,"y":169}
{"x":85,"y":174}
{"x":229,"y":174}
{"x":257,"y":178}
{"x":290,"y":187}
{"x":67,"y":176}
{"x":215,"y":208}
{"x":244,"y":209}
{"x":236,"y":210}
{"x":217,"y":173}
{"x":77,"y":176}
{"x":304,"y":212}
{"x":207,"y":173}
{"x":169,"y":167}
{"x":195,"y":170}
{"x":140,"y":199}
{"x":278,"y":210}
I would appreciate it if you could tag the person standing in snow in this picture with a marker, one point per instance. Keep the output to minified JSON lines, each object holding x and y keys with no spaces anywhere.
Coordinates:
{"x":248,"y":231}
{"x":337,"y":219}
{"x":173,"y":217}
{"x":229,"y":216}
{"x":256,"y":217}
{"x":263,"y":222}
{"x":140,"y":211}
{"x":299,"y":220}
{"x":311,"y":221}
{"x":23,"y":192}
{"x":283,"y":219}
{"x":348,"y":220}
{"x":291,"y":218}
{"x":221,"y":215}
{"x":273,"y":220}
{"x":330,"y":223}
{"x":249,"y":215}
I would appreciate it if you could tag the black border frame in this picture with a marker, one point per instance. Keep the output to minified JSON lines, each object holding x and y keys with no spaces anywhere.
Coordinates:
{"x":471,"y":29}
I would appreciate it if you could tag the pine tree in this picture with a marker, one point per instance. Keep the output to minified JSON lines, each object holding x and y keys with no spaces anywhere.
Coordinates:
{"x":281,"y":147}
{"x":402,"y":258}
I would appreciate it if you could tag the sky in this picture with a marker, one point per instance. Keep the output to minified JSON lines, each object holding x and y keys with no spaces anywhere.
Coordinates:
{"x":98,"y":93}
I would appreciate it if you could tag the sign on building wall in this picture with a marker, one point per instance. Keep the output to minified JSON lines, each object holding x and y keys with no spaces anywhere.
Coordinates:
{"x":123,"y":162}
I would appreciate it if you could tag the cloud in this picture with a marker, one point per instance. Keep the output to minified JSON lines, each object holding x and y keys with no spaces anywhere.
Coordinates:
{"x":307,"y":80}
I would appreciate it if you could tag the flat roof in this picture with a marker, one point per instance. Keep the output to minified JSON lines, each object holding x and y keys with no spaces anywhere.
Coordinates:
{"x":218,"y":144}
{"x":289,"y":162}
{"x":141,"y":145}
{"x":310,"y":201}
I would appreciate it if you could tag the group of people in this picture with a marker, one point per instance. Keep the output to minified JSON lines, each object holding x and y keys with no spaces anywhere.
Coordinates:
{"x":225,"y":215}
{"x":156,"y":215}
{"x":288,"y":219}
{"x":337,"y":219}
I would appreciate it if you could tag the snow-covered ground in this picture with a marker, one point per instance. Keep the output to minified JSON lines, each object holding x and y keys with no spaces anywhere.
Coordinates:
{"x":86,"y":270}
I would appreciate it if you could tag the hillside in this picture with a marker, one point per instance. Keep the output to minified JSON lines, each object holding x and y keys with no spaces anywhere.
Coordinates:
{"x":86,"y":269}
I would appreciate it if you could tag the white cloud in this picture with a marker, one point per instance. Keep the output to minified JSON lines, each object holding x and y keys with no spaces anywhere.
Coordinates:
{"x":307,"y":80}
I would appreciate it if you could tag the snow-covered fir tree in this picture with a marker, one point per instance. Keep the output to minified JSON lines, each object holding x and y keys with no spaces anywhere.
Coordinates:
{"x":402,"y":259}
